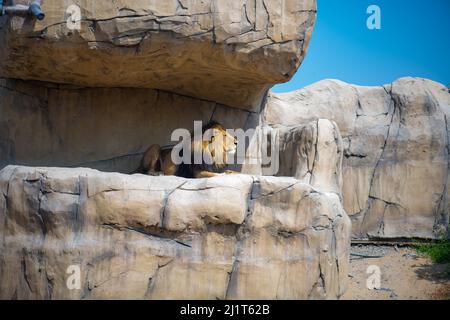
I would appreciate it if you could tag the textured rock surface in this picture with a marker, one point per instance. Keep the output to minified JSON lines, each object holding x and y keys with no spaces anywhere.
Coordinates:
{"x":106,"y":129}
{"x":396,"y":139}
{"x":311,"y":153}
{"x":228,"y":237}
{"x":237,"y":49}
{"x":91,"y":128}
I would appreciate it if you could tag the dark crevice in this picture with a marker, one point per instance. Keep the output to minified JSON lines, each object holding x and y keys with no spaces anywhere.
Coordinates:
{"x":383,"y":149}
{"x":241,"y":235}
{"x":388,"y":203}
{"x":162,"y":219}
{"x":25,"y":271}
{"x":151,"y":232}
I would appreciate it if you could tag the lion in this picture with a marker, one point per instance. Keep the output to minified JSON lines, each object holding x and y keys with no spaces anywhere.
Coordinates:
{"x":218,"y":149}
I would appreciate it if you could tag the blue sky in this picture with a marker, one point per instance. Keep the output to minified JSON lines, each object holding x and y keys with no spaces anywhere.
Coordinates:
{"x":414,"y":40}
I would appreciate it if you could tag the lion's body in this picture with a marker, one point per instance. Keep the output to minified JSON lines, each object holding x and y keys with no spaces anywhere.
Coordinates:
{"x":158,"y":161}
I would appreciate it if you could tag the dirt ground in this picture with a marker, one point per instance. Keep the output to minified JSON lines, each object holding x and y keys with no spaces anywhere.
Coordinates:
{"x":405,"y":274}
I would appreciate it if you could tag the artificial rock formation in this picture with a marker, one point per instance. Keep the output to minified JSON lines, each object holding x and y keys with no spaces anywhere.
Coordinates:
{"x":106,"y":129}
{"x":161,"y":65}
{"x":396,"y":147}
{"x":236,"y":49}
{"x":311,"y":153}
{"x":98,"y":94}
{"x":228,"y":237}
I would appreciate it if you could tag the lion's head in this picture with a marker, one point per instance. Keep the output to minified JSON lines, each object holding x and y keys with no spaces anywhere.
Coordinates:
{"x":217,"y":146}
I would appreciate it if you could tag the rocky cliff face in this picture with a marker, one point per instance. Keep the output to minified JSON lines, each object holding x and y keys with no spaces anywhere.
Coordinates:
{"x":175,"y":62}
{"x":106,"y":129}
{"x":141,"y":237}
{"x":311,"y":153}
{"x":396,"y":141}
{"x":236,"y":49}
{"x":98,"y":95}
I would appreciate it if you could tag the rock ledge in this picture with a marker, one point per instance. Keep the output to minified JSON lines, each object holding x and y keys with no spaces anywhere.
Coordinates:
{"x":140,"y":237}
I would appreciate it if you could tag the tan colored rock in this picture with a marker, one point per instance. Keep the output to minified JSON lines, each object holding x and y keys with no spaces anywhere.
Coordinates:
{"x":44,"y":125}
{"x":236,"y":49}
{"x":107,"y":129}
{"x":131,"y":74}
{"x":315,"y":152}
{"x":311,"y":153}
{"x":396,"y":164}
{"x":241,"y":237}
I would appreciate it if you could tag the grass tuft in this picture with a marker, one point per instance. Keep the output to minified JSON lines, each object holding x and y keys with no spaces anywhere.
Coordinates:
{"x":438,"y":251}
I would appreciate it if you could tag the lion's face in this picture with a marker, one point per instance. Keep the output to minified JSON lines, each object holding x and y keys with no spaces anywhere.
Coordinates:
{"x":220,"y":144}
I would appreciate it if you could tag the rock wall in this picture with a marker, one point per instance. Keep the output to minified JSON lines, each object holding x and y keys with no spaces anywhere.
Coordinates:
{"x":97,"y":96}
{"x":141,"y":237}
{"x":396,"y":147}
{"x":103,"y":128}
{"x":135,"y":71}
{"x":229,"y":52}
{"x":311,"y":153}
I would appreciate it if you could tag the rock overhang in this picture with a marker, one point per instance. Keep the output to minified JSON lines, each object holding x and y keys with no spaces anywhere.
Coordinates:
{"x":236,"y":49}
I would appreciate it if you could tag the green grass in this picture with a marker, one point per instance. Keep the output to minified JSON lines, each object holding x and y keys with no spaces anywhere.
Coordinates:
{"x":439,"y":251}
